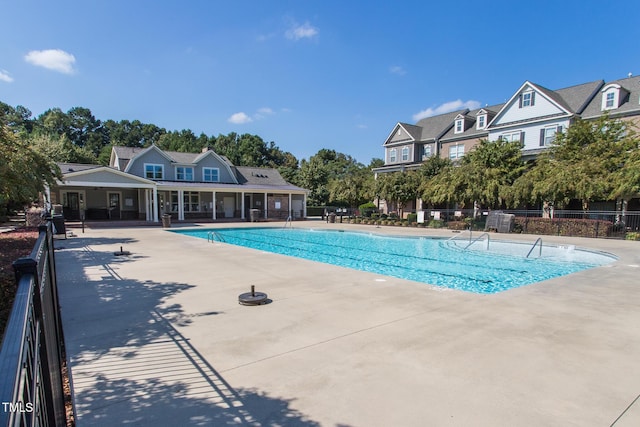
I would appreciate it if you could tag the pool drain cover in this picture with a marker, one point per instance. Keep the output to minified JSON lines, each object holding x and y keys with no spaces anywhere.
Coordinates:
{"x":253,"y":297}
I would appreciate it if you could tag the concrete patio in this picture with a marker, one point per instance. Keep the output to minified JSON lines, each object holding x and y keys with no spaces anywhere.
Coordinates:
{"x":158,"y":338}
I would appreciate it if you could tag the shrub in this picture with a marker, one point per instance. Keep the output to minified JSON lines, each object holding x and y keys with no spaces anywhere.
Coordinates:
{"x":436,"y":223}
{"x":565,"y":226}
{"x":412,"y":217}
{"x":457,"y":225}
{"x":632,"y":236}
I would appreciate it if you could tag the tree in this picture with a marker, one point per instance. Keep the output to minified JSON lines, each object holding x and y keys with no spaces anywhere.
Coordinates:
{"x":326,"y":165}
{"x":398,"y":188}
{"x":428,"y":176}
{"x":23,"y":171}
{"x":484,"y":175}
{"x":592,"y":160}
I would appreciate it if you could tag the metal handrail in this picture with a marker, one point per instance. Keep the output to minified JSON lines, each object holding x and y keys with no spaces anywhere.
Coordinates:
{"x":458,"y":235}
{"x":539,"y":240}
{"x":288,"y":220}
{"x":213,"y":235}
{"x":478,"y":238}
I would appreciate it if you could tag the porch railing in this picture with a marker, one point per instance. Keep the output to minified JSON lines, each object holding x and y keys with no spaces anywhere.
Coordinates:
{"x":31,"y":382}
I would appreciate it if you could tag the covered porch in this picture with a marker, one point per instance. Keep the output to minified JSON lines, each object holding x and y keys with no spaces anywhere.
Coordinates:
{"x":229,"y":203}
{"x":102,"y":193}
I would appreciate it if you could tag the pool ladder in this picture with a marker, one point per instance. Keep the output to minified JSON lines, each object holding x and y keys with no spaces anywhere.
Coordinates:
{"x":539,"y":243}
{"x":288,"y":221}
{"x":471,"y":239}
{"x":213,"y":235}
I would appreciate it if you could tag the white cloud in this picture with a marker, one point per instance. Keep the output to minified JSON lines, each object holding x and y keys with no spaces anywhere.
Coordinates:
{"x":239,"y":118}
{"x":52,"y":59}
{"x":447,"y":107}
{"x":396,"y":69}
{"x":266,"y":110}
{"x":304,"y":31}
{"x":5,"y":77}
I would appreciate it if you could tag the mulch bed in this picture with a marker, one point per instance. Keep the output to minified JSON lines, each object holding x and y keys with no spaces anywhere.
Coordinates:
{"x":13,"y":245}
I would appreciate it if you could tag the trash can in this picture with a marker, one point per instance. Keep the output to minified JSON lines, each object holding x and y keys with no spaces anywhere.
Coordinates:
{"x":332,"y":217}
{"x":254,"y":215}
{"x":58,"y":225}
{"x":166,"y":220}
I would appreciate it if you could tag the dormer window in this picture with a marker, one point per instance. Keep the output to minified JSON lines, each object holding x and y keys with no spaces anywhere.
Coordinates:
{"x":482,"y":122}
{"x":610,"y":99}
{"x":527,"y":99}
{"x":613,"y":96}
{"x":459,"y":126}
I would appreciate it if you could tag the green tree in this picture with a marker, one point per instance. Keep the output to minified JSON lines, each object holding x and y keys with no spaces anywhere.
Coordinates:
{"x":484,"y":175}
{"x":60,"y":149}
{"x":428,"y":175}
{"x":326,"y":165}
{"x":398,"y":188}
{"x":23,"y":171}
{"x":592,"y":160}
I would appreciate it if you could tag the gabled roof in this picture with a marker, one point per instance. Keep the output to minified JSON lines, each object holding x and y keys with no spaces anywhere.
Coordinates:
{"x":570,"y":101}
{"x":412,"y":131}
{"x":435,"y":126}
{"x":629,"y":105}
{"x":577,"y":97}
{"x":79,"y":170}
{"x":471,"y":131}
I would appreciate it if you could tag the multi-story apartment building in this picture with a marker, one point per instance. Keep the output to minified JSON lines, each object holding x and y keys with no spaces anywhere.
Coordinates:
{"x":532,"y":115}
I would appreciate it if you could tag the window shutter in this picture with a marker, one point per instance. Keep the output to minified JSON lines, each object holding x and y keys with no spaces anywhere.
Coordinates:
{"x":541,"y":137}
{"x":533,"y":97}
{"x":559,"y":129}
{"x":520,"y":101}
{"x":522,"y":138}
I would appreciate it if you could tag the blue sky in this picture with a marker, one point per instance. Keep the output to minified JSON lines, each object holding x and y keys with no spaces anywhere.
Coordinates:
{"x":304,"y":74}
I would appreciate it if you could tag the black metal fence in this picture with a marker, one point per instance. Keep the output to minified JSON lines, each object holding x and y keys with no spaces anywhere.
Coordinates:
{"x":621,"y":223}
{"x":31,"y":382}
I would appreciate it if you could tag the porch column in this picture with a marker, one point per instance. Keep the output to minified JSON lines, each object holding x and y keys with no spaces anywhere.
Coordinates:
{"x":147,"y":213}
{"x":214,"y":205}
{"x":155,"y":204}
{"x":180,"y":205}
{"x":290,"y":210}
{"x":242,"y":205}
{"x":304,"y":205}
{"x":265,"y":206}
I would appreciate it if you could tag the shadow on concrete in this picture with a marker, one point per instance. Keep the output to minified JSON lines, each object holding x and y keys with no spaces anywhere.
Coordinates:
{"x":130,"y":365}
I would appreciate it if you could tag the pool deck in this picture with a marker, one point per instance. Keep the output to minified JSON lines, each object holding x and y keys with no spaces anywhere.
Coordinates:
{"x":158,"y":338}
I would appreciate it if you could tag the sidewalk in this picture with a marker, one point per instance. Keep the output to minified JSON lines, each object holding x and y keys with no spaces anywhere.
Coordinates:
{"x":158,"y":338}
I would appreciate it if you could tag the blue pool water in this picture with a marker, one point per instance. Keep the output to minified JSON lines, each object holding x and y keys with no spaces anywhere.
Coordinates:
{"x":440,"y":262}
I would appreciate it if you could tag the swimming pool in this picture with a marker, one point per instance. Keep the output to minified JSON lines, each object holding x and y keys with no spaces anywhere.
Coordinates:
{"x":441,"y":262}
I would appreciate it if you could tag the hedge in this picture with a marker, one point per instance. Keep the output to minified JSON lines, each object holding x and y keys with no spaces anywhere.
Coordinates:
{"x":564,"y":226}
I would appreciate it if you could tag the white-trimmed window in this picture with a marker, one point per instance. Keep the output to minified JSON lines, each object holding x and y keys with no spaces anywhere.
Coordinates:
{"x":548,"y":135}
{"x":190,"y":201}
{"x":405,"y":154}
{"x":211,"y":174}
{"x":426,"y":152}
{"x":482,"y":121}
{"x":527,"y":99}
{"x":456,"y":151}
{"x":459,"y":126}
{"x":610,"y":100}
{"x":393,"y":155}
{"x":513,"y":136}
{"x":184,"y":173}
{"x":153,"y":171}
